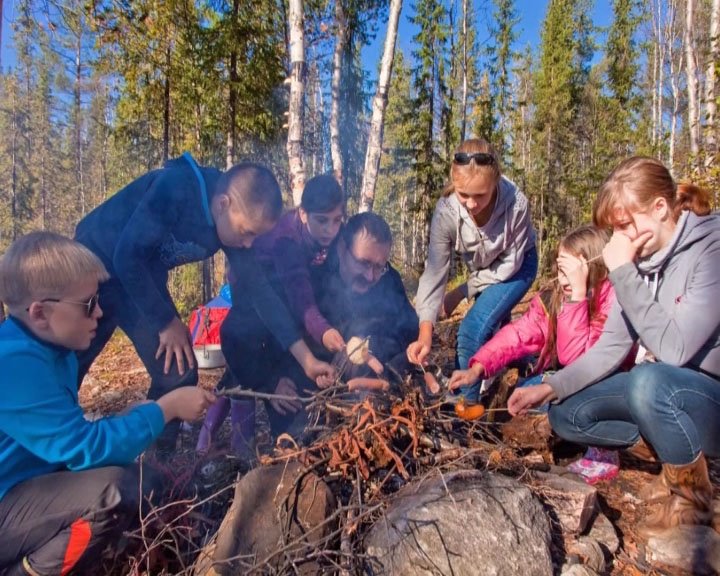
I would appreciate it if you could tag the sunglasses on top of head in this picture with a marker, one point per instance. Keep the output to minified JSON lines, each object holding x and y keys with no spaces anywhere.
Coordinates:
{"x":480,"y":158}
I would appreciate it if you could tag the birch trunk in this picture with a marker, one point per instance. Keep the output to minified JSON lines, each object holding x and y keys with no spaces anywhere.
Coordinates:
{"x":655,"y":72}
{"x":675,"y":71}
{"x":691,"y":82}
{"x":295,"y":141}
{"x":662,"y":47}
{"x":340,"y":44}
{"x":77,"y":96}
{"x":14,"y":162}
{"x":166,"y":107}
{"x":232,"y":96}
{"x":463,"y":98}
{"x":375,"y":138}
{"x":710,"y":129}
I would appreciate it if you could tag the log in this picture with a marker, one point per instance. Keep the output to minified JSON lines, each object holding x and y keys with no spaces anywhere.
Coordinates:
{"x":573,"y":503}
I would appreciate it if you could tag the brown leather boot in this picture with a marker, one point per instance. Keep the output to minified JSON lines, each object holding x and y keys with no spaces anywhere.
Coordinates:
{"x":689,"y":502}
{"x":656,"y":490}
{"x":642,"y":451}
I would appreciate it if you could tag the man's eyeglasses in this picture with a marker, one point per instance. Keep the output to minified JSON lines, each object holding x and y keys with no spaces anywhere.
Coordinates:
{"x":367,"y":266}
{"x":481,"y":158}
{"x":90,"y":305}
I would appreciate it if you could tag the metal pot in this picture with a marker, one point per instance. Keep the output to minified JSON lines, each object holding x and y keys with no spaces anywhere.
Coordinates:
{"x":209,"y":356}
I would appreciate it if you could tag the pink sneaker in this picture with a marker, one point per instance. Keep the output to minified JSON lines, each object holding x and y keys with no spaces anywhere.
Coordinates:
{"x":597,"y":465}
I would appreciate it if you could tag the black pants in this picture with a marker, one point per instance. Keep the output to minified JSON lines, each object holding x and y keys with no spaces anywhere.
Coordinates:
{"x":256,"y":360}
{"x":62,"y":521}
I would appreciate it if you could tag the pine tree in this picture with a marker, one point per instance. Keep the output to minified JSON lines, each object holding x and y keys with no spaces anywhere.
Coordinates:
{"x":396,"y":180}
{"x":563,"y":72}
{"x":430,"y":90}
{"x":500,"y":58}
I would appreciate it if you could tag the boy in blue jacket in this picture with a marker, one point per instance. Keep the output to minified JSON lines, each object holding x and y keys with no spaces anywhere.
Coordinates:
{"x":178,"y":214}
{"x":68,"y":487}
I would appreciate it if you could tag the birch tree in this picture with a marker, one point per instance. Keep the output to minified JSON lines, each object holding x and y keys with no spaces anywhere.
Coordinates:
{"x":375,"y":138}
{"x":341,"y":38}
{"x":710,"y":130}
{"x":691,"y":82}
{"x":295,"y":140}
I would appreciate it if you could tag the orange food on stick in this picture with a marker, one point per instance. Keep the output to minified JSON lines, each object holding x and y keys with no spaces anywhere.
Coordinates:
{"x":469,"y":412}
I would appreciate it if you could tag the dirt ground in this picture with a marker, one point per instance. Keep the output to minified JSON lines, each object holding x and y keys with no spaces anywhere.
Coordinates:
{"x":117,"y":379}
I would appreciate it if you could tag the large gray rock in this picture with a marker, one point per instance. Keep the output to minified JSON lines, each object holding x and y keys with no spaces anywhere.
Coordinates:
{"x":465,"y":522}
{"x":277,"y":518}
{"x":695,"y":549}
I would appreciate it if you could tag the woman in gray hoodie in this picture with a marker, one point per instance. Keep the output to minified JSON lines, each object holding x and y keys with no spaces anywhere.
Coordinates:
{"x":664,"y":263}
{"x":485,"y":218}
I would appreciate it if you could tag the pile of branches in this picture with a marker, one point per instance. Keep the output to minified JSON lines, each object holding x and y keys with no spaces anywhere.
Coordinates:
{"x":364,"y":445}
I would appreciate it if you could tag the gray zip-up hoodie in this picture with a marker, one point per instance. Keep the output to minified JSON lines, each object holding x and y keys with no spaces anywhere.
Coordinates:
{"x":668,"y":302}
{"x":493,"y":253}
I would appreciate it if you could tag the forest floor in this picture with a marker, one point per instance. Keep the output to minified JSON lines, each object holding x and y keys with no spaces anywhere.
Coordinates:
{"x":117,"y":379}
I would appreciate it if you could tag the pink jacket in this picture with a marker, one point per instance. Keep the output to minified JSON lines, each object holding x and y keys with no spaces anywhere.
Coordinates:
{"x":576,"y":333}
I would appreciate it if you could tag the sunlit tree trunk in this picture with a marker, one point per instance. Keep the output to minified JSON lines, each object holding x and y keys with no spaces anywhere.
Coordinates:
{"x":295,"y":141}
{"x":464,"y":95}
{"x":710,"y":129}
{"x":375,"y":138}
{"x":691,"y":81}
{"x":340,"y":44}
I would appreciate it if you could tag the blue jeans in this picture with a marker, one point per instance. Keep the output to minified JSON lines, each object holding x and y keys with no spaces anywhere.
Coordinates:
{"x":491,"y":309}
{"x":676,"y":410}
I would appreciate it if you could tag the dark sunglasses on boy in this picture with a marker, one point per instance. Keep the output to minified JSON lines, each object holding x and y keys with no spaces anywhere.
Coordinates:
{"x":90,"y":305}
{"x":481,"y":158}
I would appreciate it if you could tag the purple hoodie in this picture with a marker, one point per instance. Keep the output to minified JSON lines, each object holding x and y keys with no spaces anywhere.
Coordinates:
{"x":290,"y":250}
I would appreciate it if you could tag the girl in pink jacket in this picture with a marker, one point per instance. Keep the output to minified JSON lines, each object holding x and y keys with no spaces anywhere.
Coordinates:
{"x":562,"y":322}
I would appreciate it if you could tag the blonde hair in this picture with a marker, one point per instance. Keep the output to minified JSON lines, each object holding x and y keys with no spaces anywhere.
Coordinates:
{"x":43,"y":265}
{"x":588,"y":242}
{"x":635,"y":183}
{"x":461,"y":174}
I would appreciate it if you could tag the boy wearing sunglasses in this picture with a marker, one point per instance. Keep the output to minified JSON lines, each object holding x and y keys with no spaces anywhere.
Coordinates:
{"x":68,"y":487}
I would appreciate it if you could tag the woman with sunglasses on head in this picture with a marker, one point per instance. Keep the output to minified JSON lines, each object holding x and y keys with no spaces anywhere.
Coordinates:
{"x":485,"y":218}
{"x":664,"y":263}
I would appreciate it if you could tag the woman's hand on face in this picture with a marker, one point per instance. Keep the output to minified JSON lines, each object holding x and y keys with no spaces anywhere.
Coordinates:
{"x":575,"y":269}
{"x":622,"y":249}
{"x":526,"y":398}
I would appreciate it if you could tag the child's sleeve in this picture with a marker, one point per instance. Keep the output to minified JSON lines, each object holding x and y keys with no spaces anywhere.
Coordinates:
{"x":47,"y":421}
{"x":437,"y":265}
{"x":153,"y":219}
{"x":576,"y":331}
{"x":600,"y":361}
{"x":291,"y":267}
{"x":524,"y":336}
{"x":509,"y":262}
{"x":251,"y":282}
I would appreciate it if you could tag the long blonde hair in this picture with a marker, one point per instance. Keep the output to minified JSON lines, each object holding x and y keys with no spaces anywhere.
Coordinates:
{"x":460,"y":173}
